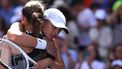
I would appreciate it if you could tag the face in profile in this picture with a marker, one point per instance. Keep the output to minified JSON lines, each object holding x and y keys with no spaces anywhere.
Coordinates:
{"x":50,"y":31}
{"x":91,"y":50}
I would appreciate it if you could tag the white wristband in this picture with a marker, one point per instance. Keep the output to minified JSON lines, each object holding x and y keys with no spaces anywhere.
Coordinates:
{"x":41,"y":44}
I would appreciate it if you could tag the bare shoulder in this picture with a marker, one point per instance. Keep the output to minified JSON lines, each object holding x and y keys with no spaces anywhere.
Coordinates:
{"x":16,"y":26}
{"x":15,"y":23}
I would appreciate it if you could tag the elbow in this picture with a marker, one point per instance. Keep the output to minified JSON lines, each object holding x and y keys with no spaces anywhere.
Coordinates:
{"x":62,"y":66}
{"x":59,"y":65}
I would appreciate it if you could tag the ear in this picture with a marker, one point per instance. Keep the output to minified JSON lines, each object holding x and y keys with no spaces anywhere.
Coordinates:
{"x":23,"y":19}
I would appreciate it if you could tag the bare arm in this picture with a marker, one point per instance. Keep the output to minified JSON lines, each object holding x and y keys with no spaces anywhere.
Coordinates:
{"x":54,"y":64}
{"x":16,"y":35}
{"x":58,"y":63}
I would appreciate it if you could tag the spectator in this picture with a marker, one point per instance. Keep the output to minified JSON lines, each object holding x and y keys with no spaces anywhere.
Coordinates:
{"x":117,"y":62}
{"x":102,"y":34}
{"x":118,"y":51}
{"x":72,"y":25}
{"x":86,"y":21}
{"x":93,"y":59}
{"x":117,"y":17}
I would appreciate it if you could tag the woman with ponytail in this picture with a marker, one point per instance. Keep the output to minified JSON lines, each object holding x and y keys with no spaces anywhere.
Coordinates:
{"x":35,"y":34}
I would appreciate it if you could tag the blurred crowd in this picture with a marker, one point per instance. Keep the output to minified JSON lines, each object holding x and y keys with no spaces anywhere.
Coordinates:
{"x":95,"y":26}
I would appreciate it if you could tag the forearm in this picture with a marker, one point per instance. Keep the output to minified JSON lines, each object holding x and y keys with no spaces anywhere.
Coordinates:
{"x":16,"y":35}
{"x":59,"y":63}
{"x":23,"y":39}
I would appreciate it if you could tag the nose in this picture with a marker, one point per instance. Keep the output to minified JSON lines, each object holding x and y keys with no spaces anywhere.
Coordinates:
{"x":56,"y":31}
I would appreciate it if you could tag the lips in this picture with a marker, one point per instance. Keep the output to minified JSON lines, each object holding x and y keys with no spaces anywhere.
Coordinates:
{"x":52,"y":36}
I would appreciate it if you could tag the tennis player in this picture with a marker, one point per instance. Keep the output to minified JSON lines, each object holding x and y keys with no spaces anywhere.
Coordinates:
{"x":54,"y":23}
{"x":21,"y":34}
{"x":27,"y":24}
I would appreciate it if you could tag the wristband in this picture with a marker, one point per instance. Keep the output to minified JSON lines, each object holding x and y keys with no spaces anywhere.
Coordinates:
{"x":41,"y":44}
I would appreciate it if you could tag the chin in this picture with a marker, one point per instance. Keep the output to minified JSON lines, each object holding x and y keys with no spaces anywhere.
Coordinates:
{"x":49,"y":38}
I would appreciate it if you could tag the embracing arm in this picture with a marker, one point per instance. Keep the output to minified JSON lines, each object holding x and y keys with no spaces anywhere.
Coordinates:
{"x":16,"y":35}
{"x":53,"y":64}
{"x":58,"y":63}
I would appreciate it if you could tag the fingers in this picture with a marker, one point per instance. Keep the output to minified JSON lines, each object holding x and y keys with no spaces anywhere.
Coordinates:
{"x":37,"y":66}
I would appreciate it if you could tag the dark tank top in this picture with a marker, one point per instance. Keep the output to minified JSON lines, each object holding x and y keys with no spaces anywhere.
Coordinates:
{"x":38,"y":54}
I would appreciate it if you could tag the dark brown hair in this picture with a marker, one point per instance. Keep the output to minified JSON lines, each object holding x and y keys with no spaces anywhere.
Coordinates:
{"x":33,"y":11}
